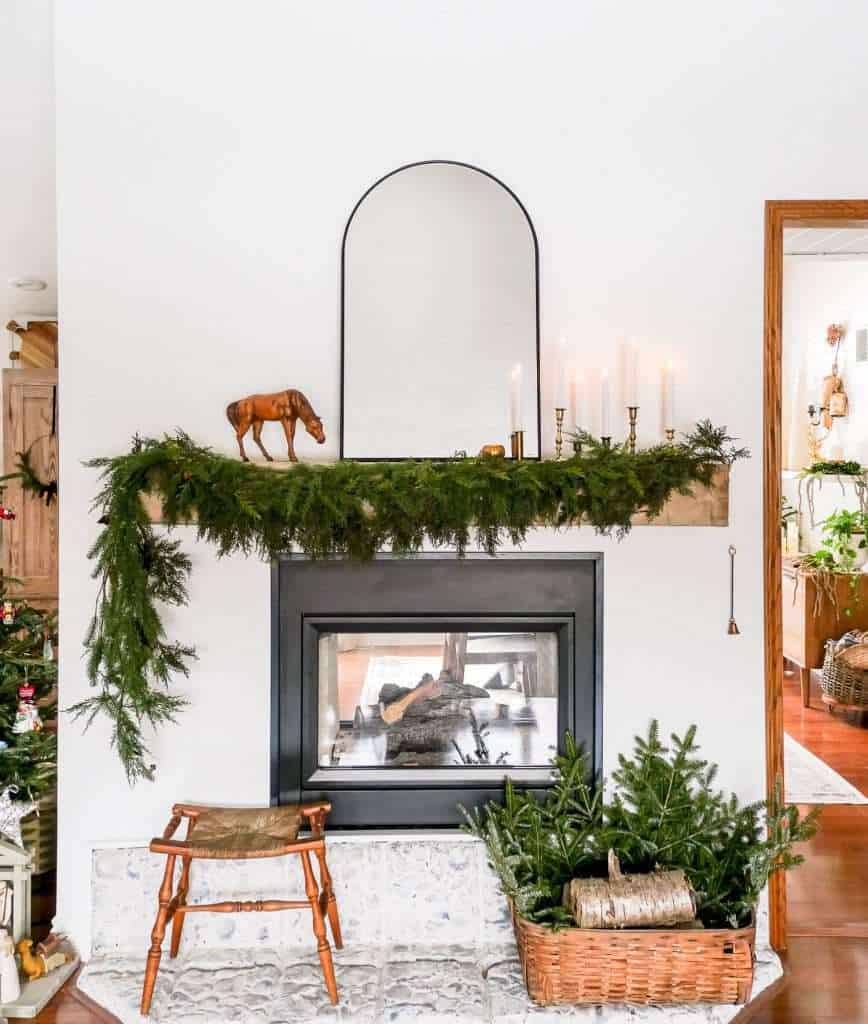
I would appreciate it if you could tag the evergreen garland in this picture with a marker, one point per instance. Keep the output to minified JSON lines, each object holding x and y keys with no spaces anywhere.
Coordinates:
{"x":31,"y":482}
{"x":665,"y":812}
{"x":347,"y":509}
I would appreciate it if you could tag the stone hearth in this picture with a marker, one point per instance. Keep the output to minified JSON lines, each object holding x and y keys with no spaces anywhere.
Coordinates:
{"x":427,"y":938}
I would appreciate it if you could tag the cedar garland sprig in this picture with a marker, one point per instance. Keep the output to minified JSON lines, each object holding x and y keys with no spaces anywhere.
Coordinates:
{"x":348,"y":509}
{"x":31,"y":482}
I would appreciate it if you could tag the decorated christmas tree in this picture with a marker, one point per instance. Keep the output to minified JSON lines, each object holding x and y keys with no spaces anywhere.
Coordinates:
{"x":28,"y":697}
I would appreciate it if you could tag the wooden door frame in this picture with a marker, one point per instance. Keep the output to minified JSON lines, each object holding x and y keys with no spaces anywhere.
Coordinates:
{"x":779,"y":214}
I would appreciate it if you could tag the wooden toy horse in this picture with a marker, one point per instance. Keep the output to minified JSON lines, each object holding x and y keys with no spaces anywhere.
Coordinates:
{"x":285,"y":406}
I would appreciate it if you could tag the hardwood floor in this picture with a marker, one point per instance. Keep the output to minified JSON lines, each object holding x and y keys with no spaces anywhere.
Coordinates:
{"x":834,"y":738}
{"x":826,"y":982}
{"x":827,"y":974}
{"x":827,"y":958}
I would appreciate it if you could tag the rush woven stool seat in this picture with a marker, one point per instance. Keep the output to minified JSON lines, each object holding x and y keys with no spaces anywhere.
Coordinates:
{"x":224,"y":833}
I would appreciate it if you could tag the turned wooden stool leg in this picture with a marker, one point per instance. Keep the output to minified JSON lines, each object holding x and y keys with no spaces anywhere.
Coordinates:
{"x":319,"y":929}
{"x":155,"y":952}
{"x":326,"y":879}
{"x":178,"y":920}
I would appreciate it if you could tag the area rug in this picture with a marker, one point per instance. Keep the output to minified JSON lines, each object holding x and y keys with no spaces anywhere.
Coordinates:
{"x":808,"y":780}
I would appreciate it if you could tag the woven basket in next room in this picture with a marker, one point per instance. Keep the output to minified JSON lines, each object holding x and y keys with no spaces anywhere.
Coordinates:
{"x":844,"y":679}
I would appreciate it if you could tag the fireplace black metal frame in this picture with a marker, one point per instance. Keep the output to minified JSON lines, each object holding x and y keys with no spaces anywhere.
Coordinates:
{"x":299,"y":616}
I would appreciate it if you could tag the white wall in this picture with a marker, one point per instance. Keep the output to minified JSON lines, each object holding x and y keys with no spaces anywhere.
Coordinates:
{"x":818,"y":291}
{"x":27,"y":208}
{"x":208,"y":156}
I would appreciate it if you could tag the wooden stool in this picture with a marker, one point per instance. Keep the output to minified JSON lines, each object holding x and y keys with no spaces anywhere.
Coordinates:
{"x":216,"y":833}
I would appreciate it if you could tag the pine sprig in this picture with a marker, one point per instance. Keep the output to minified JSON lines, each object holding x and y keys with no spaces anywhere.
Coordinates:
{"x":664,"y":812}
{"x":348,"y":509}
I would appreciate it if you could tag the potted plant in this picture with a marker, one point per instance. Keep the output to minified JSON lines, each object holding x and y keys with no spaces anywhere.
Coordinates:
{"x":842,"y":552}
{"x":663,"y":813}
{"x":844,"y":540}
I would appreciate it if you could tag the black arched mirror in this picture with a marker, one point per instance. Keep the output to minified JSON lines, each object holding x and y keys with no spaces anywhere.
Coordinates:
{"x":439,"y":305}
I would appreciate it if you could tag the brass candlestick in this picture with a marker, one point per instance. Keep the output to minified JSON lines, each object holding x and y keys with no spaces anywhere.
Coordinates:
{"x":633,"y":412}
{"x":516,"y":443}
{"x":670,"y":434}
{"x":559,"y":432}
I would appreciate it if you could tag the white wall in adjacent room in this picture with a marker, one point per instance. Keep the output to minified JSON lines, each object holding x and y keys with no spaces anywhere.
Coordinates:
{"x":818,"y":291}
{"x":209,"y":154}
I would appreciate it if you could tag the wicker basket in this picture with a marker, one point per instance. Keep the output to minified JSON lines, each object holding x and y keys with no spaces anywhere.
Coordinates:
{"x":842,"y":680}
{"x":640,"y":966}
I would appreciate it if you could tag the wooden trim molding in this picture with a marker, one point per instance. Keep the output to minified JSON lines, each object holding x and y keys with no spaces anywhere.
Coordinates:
{"x":778,"y":215}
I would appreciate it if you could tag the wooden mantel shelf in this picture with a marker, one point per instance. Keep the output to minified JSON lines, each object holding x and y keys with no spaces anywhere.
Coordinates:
{"x":707,"y":506}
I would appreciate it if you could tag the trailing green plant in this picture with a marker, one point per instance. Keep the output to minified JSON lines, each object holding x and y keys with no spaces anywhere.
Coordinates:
{"x":836,"y":467}
{"x":844,"y":536}
{"x":664,"y":812}
{"x":843,"y":474}
{"x":351,"y":509}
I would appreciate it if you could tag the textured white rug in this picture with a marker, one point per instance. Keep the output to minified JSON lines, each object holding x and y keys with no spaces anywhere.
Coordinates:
{"x":808,"y":780}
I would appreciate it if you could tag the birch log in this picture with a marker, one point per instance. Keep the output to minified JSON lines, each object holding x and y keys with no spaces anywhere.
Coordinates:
{"x":661,"y":898}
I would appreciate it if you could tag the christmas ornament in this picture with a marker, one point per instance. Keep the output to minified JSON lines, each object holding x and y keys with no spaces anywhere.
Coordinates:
{"x":6,"y":513}
{"x":8,"y":613}
{"x":26,"y":718}
{"x":11,"y":813}
{"x":47,"y":649}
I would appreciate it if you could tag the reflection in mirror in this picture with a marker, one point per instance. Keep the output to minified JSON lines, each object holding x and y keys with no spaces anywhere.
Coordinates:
{"x":439,"y":306}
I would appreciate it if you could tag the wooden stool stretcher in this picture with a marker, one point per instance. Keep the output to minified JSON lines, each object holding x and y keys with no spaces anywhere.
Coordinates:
{"x":216,"y":833}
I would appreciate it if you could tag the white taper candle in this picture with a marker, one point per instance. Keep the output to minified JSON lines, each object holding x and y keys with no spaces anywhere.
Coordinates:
{"x":605,"y":405}
{"x":669,"y":396}
{"x":632,"y":368}
{"x":515,"y":399}
{"x":561,"y":374}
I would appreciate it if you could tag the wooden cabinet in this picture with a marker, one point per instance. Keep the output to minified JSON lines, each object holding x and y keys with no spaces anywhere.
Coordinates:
{"x":809,"y":623}
{"x":29,"y":542}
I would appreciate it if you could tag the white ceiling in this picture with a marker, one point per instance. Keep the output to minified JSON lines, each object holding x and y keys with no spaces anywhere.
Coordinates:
{"x":826,"y":241}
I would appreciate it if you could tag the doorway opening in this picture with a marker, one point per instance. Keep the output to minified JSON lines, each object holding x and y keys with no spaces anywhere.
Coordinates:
{"x":815,"y":530}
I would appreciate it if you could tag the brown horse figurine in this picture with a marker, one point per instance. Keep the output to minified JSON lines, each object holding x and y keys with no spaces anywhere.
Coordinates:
{"x":285,"y":406}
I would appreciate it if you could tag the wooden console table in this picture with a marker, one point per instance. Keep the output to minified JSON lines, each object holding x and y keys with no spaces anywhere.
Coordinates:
{"x":809,"y":623}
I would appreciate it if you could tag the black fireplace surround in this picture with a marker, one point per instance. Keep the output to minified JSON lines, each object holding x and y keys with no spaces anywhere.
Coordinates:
{"x":319,"y":605}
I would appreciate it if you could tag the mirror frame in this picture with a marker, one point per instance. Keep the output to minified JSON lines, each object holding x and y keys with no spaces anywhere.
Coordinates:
{"x":521,"y":206}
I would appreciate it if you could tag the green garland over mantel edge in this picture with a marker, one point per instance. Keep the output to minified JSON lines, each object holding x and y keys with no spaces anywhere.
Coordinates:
{"x":349,"y":509}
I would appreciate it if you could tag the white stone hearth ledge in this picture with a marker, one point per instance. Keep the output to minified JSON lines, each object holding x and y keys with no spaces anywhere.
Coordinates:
{"x":434,"y":985}
{"x":427,"y":939}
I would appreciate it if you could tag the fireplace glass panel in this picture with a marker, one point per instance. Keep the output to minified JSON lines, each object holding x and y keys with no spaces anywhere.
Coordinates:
{"x":408,"y":700}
